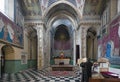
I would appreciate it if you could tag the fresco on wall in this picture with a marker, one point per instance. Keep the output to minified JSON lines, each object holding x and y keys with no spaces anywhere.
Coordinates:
{"x":108,"y":50}
{"x":110,"y":43}
{"x":18,"y":15}
{"x":62,"y":45}
{"x":31,"y":7}
{"x":10,"y":32}
{"x":50,"y":2}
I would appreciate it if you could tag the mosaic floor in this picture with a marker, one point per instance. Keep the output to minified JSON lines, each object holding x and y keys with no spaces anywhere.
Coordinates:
{"x":33,"y":75}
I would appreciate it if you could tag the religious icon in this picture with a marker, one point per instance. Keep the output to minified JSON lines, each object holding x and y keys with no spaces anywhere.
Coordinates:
{"x":62,"y":55}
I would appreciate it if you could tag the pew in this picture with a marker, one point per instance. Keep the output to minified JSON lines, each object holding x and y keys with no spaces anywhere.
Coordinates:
{"x":104,"y":80}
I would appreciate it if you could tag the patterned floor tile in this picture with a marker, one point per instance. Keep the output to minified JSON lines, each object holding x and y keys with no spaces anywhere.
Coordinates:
{"x":33,"y":75}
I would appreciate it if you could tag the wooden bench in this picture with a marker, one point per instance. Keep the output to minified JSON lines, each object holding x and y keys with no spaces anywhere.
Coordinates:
{"x":105,"y":80}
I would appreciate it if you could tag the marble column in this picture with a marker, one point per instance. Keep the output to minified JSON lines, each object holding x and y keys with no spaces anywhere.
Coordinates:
{"x":40,"y":56}
{"x":80,"y":32}
{"x":83,"y":41}
{"x":74,"y":48}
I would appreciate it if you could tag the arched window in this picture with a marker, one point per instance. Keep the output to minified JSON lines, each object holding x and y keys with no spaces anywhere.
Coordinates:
{"x":2,"y":6}
{"x":7,"y":8}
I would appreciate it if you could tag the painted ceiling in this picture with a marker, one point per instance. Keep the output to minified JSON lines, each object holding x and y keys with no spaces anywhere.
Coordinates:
{"x":37,"y":7}
{"x":85,"y":7}
{"x":94,"y":7}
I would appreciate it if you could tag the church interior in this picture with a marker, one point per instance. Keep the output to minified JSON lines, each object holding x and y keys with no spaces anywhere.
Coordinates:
{"x":47,"y":40}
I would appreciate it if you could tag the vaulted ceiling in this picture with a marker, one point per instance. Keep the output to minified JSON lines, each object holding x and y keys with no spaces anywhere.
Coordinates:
{"x":94,"y":7}
{"x":37,"y":7}
{"x":31,"y":7}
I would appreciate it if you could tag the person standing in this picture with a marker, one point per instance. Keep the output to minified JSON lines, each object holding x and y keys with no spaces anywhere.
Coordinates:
{"x":86,"y":70}
{"x":89,"y":68}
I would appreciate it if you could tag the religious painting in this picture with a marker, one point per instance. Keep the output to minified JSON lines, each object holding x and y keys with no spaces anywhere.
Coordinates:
{"x":110,"y":43}
{"x":10,"y":32}
{"x":108,"y":50}
{"x":1,"y":28}
{"x":33,"y":7}
{"x":19,"y":17}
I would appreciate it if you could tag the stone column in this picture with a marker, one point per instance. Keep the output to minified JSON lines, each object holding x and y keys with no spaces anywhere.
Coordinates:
{"x":80,"y":32}
{"x":40,"y":56}
{"x":74,"y":48}
{"x":83,"y":41}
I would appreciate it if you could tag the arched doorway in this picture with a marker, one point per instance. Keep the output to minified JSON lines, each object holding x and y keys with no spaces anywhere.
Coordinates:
{"x":91,"y":41}
{"x":62,"y":16}
{"x":7,"y":53}
{"x":2,"y":61}
{"x":62,"y":39}
{"x":62,"y":42}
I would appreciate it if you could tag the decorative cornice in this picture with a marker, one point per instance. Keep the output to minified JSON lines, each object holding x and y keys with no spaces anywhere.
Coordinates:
{"x":91,"y":17}
{"x":90,"y":22}
{"x":33,"y":17}
{"x":33,"y":24}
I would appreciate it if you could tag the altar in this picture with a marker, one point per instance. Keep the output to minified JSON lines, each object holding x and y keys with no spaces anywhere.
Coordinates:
{"x":65,"y":61}
{"x":62,"y":67}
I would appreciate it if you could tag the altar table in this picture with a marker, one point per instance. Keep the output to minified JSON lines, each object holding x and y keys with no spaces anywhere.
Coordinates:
{"x":65,"y":61}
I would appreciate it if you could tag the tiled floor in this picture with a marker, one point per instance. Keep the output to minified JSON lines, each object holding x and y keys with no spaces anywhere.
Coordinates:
{"x":33,"y":75}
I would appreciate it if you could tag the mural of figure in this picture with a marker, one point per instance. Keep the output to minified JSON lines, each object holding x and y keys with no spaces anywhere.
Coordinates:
{"x":8,"y":33}
{"x":1,"y":29}
{"x":112,"y":48}
{"x":62,"y":55}
{"x":108,"y":51}
{"x":5,"y":33}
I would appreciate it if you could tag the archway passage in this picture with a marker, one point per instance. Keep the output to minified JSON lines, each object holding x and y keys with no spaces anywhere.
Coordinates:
{"x":6,"y":55}
{"x":62,"y":40}
{"x":91,"y":43}
{"x":61,"y":21}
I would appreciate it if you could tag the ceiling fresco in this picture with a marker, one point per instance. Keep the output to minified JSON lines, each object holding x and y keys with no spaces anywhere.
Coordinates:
{"x":37,"y":7}
{"x":94,"y":7}
{"x":31,"y":7}
{"x":85,"y":7}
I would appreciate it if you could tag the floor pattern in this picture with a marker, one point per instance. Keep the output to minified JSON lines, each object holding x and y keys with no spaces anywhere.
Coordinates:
{"x":33,"y":75}
{"x":61,"y":73}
